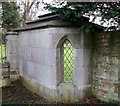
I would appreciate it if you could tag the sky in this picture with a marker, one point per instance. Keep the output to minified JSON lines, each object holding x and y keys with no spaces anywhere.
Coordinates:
{"x":48,"y":1}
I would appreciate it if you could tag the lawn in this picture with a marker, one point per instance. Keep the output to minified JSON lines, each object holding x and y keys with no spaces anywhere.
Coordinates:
{"x":2,"y":53}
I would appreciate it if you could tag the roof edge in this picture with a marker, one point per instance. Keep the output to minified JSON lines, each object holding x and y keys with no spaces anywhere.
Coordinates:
{"x":11,"y":33}
{"x":44,"y":26}
{"x":43,"y":18}
{"x":45,"y":15}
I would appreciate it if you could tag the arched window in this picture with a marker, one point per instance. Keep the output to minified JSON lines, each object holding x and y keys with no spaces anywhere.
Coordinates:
{"x":67,"y":61}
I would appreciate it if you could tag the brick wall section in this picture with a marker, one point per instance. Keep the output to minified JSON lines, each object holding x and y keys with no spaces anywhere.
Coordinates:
{"x":106,"y":62}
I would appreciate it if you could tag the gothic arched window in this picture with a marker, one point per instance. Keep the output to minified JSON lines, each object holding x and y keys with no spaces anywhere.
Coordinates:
{"x":67,"y":61}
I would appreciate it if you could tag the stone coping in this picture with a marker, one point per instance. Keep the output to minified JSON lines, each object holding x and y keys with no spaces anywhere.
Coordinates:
{"x":11,"y":33}
{"x":5,"y":65}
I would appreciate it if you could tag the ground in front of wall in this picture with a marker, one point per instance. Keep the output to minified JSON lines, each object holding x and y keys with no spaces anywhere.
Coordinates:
{"x":18,"y":94}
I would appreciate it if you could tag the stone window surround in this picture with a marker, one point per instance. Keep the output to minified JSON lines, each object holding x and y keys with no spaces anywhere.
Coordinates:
{"x":59,"y":71}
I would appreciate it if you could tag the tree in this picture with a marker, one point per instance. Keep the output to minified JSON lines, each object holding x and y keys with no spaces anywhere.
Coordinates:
{"x":28,"y":9}
{"x":25,"y":7}
{"x":22,"y":11}
{"x":73,"y":11}
{"x":10,"y":16}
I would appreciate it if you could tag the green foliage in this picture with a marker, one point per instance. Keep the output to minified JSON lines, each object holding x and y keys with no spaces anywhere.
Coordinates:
{"x":2,"y":38}
{"x":10,"y":17}
{"x":74,"y":11}
{"x":2,"y":53}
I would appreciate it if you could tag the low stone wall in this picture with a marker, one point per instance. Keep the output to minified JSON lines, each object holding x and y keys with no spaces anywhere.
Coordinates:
{"x":106,"y":62}
{"x":8,"y":75}
{"x":5,"y":80}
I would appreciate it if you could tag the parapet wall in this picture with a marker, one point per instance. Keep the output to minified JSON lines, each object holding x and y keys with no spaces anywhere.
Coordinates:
{"x":106,"y":66}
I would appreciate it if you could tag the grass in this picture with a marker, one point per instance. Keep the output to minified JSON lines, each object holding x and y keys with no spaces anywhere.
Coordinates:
{"x":2,"y":53}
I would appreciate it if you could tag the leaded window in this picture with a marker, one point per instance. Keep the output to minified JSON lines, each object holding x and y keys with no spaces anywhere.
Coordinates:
{"x":67,"y":61}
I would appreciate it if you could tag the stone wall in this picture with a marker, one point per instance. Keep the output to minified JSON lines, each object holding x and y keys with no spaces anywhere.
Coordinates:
{"x":12,"y":52}
{"x":39,"y":56}
{"x":39,"y":59}
{"x":5,"y":78}
{"x":106,"y":66}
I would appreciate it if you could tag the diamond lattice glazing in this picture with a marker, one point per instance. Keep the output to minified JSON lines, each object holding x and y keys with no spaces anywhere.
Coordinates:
{"x":67,"y":61}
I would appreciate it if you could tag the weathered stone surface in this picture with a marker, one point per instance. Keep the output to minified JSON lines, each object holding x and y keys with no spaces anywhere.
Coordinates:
{"x":5,"y":76}
{"x":40,"y":61}
{"x":40,"y":68}
{"x":106,"y":66}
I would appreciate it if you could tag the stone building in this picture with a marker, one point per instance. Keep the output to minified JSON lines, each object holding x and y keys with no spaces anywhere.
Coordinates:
{"x":59,"y":61}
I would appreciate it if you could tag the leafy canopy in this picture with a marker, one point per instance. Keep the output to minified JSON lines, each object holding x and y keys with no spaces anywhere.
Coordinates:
{"x":109,"y":13}
{"x":10,"y":16}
